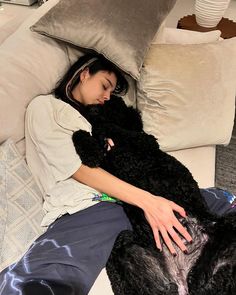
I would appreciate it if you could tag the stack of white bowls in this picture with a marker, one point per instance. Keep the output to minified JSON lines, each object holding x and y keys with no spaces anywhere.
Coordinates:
{"x":209,"y":12}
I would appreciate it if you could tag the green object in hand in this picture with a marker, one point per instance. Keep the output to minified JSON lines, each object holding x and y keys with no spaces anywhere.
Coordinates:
{"x":106,"y":198}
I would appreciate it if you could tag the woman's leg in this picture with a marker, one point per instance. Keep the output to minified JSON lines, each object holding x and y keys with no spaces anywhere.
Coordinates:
{"x":219,"y":201}
{"x":70,"y":254}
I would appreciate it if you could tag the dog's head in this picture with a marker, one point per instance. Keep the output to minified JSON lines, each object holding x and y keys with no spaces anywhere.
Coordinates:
{"x":116,"y":112}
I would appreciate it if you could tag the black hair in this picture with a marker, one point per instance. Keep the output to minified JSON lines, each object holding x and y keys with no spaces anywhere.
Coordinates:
{"x":99,"y":64}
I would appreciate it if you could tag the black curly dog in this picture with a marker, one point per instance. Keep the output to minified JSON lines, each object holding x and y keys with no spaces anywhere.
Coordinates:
{"x":135,"y":265}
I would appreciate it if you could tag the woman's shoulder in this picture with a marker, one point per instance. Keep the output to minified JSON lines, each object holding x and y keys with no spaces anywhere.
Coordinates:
{"x":43,"y":102}
{"x":48,"y":108}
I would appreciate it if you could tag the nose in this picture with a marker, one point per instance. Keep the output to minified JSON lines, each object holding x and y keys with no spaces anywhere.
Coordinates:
{"x":107,"y":95}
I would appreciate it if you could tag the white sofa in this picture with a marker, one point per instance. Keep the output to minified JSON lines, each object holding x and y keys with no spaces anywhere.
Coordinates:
{"x":30,"y":65}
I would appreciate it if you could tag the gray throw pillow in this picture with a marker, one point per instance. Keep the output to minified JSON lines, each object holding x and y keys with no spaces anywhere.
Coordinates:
{"x":121,"y":30}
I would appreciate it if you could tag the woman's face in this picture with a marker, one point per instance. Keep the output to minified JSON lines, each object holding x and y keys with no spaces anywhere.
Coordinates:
{"x":94,"y":89}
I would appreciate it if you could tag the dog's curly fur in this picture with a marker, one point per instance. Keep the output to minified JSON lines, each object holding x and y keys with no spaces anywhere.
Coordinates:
{"x":135,"y":265}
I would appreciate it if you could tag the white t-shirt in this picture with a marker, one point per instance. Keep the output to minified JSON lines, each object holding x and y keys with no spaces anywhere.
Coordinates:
{"x":52,"y":158}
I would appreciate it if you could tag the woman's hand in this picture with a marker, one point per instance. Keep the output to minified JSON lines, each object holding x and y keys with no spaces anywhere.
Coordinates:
{"x":158,"y":210}
{"x":109,"y":144}
{"x":159,"y":214}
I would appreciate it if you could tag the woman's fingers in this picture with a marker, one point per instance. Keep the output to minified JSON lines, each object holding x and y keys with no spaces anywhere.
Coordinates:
{"x":170,"y":235}
{"x":178,"y":209}
{"x":176,"y":238}
{"x":109,"y":143}
{"x":182,"y":230}
{"x":157,"y":238}
{"x":167,"y":240}
{"x":163,"y":222}
{"x":177,"y":224}
{"x":155,"y":231}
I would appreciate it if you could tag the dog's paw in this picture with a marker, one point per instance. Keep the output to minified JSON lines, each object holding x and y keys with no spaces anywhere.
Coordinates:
{"x":87,"y":148}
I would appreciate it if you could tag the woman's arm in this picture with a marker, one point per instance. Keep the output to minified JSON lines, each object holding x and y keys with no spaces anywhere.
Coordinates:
{"x":158,"y":211}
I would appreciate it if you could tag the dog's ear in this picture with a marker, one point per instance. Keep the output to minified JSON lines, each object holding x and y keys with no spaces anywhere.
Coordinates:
{"x":134,"y":120}
{"x":118,"y":113}
{"x":94,"y":114}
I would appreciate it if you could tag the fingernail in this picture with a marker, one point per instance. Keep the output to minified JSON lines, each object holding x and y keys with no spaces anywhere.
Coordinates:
{"x":185,"y":251}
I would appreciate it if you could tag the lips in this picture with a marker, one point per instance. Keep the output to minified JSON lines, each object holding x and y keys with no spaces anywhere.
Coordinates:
{"x":101,"y":101}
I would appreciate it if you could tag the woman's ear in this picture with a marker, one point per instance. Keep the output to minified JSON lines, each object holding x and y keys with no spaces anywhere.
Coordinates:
{"x":84,"y":75}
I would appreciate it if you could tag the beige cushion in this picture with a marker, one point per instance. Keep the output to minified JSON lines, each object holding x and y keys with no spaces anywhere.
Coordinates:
{"x":20,"y":207}
{"x":186,"y":93}
{"x":179,"y":36}
{"x":31,"y":65}
{"x":10,"y":26}
{"x":121,"y":30}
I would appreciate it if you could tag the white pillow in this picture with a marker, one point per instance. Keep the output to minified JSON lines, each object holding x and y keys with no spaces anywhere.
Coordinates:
{"x":30,"y":65}
{"x":10,"y":26}
{"x":186,"y":93}
{"x":179,"y":36}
